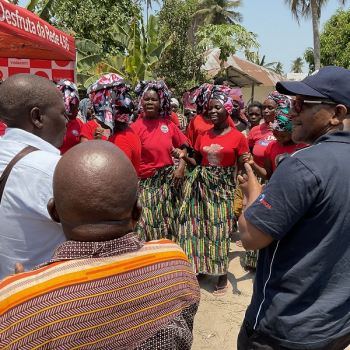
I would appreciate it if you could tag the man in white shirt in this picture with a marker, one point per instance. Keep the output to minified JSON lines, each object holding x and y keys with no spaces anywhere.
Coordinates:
{"x":33,"y":110}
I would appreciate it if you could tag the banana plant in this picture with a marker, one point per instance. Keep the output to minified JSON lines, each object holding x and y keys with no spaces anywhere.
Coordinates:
{"x":142,"y":46}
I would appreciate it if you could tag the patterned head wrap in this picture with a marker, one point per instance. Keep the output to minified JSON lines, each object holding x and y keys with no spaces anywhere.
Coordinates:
{"x":164,"y":96}
{"x":277,"y":97}
{"x":106,"y":92}
{"x":70,"y":93}
{"x":202,"y":95}
{"x":241,"y":116}
{"x":174,"y":101}
{"x":187,"y":99}
{"x":221,"y":93}
{"x":239,"y":93}
{"x":83,"y":107}
{"x":140,"y":87}
{"x":282,"y":121}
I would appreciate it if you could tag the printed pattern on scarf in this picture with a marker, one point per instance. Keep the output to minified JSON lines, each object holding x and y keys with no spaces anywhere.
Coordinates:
{"x":70,"y":93}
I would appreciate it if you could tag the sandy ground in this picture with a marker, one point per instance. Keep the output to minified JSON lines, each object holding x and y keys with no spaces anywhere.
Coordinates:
{"x":219,"y":319}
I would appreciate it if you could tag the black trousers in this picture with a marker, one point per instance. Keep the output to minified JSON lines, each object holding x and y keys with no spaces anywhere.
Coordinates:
{"x":249,"y":339}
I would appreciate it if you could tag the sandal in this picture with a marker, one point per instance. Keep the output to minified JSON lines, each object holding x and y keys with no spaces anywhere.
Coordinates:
{"x":221,"y":291}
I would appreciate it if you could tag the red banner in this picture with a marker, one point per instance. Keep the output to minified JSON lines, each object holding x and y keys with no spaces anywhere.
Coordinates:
{"x":25,"y":35}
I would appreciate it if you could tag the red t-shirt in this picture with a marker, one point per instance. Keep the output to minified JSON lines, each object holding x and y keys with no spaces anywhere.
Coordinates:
{"x":221,"y":150}
{"x":259,"y":138}
{"x":173,"y":118}
{"x":2,"y":128}
{"x":199,"y":124}
{"x":88,"y":129}
{"x":72,"y":137}
{"x":158,"y":137}
{"x":275,"y":148}
{"x":130,"y":144}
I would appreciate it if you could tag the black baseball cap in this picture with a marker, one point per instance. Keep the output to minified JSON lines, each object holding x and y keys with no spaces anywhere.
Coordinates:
{"x":328,"y":82}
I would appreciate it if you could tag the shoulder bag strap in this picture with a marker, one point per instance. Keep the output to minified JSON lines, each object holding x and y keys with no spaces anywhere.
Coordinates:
{"x":10,"y":165}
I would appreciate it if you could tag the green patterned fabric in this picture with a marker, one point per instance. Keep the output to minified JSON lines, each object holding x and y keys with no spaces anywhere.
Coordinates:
{"x":160,"y":206}
{"x":207,"y":218}
{"x":251,"y":258}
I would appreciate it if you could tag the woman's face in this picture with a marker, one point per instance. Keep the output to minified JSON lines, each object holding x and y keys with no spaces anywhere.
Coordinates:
{"x":150,"y":103}
{"x":216,"y":112}
{"x":254,"y":115}
{"x":282,"y":137}
{"x":74,"y":109}
{"x":269,"y":109}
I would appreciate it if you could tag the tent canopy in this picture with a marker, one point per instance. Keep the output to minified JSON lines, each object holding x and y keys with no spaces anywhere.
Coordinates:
{"x":25,"y":35}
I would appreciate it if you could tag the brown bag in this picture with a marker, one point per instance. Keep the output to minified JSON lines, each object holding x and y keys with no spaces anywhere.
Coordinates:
{"x":10,"y":165}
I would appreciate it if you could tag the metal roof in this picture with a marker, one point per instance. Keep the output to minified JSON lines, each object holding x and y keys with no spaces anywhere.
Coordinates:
{"x":244,"y":70}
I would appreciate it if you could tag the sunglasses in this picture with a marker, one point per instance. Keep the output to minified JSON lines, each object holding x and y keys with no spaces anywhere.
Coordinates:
{"x":298,"y":104}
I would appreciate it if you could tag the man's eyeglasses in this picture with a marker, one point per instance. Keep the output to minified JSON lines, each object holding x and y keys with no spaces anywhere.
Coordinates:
{"x":298,"y":104}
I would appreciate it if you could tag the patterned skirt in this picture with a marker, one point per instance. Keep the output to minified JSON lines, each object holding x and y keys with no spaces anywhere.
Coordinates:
{"x":160,"y":207}
{"x":207,"y":218}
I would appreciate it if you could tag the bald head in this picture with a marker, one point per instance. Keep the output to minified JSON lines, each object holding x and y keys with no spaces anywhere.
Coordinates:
{"x":94,"y":184}
{"x":20,"y":93}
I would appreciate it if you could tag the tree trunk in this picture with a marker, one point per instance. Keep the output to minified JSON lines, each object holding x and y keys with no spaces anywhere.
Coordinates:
{"x":315,"y":28}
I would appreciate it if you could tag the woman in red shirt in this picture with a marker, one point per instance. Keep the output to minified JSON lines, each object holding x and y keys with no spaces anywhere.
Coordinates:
{"x":207,"y":216}
{"x":260,"y":136}
{"x":71,"y":99}
{"x":278,"y":149}
{"x":124,"y":137}
{"x":103,"y":92}
{"x":160,"y":181}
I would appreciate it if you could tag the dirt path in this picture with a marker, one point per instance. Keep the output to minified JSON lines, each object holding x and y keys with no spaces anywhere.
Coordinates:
{"x":219,"y":319}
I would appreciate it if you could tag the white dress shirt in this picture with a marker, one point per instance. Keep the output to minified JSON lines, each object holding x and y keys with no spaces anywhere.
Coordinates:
{"x":27,"y":233}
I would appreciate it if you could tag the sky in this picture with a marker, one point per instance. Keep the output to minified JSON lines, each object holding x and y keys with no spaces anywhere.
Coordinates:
{"x":279,"y":35}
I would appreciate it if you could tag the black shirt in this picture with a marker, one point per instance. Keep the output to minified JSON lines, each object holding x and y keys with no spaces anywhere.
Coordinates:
{"x":301,"y":292}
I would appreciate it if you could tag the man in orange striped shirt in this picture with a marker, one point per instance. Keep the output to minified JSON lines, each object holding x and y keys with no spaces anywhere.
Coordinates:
{"x":104,"y":288}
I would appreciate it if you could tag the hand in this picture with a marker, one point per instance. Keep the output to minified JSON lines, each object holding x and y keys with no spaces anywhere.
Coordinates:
{"x":249,"y":183}
{"x":98,"y":133}
{"x":19,"y":268}
{"x":248,"y":158}
{"x":270,"y":127}
{"x":177,"y":153}
{"x":178,"y":177}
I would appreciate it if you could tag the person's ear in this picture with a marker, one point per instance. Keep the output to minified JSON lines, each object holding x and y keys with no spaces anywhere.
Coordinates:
{"x":51,"y":208}
{"x":36,"y":117}
{"x":136,"y":211}
{"x":340,"y":112}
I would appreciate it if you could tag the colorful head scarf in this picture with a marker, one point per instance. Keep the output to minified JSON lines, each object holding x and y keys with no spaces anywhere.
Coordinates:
{"x":282,"y":121}
{"x":201,"y":96}
{"x":70,"y":93}
{"x":221,"y":93}
{"x":140,"y":87}
{"x":239,"y":93}
{"x":106,"y":92}
{"x":277,"y":97}
{"x":164,"y":96}
{"x":174,"y":101}
{"x":187,"y":99}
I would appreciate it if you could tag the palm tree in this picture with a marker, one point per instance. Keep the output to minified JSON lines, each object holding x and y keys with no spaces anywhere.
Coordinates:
{"x":261,"y":62}
{"x":214,"y":12}
{"x":297,"y":65}
{"x":307,"y":9}
{"x":219,"y":11}
{"x":278,"y":68}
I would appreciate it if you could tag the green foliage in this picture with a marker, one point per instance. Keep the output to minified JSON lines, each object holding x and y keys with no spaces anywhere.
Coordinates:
{"x":88,"y":19}
{"x":278,"y":68}
{"x":219,"y":11}
{"x":309,"y":58}
{"x":180,"y":64}
{"x":335,"y":40}
{"x":144,"y":50}
{"x":229,"y":38}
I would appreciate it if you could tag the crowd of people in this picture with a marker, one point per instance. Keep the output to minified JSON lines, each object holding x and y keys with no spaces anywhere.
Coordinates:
{"x":112,"y":205}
